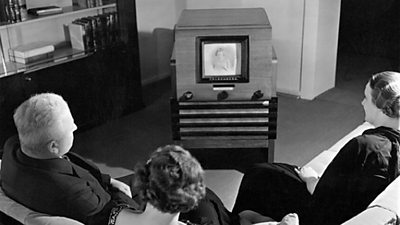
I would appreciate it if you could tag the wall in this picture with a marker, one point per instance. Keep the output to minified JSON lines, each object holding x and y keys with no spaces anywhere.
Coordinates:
{"x":285,"y":17}
{"x":370,"y":28}
{"x":306,"y":57}
{"x":155,"y":22}
{"x":320,"y":41}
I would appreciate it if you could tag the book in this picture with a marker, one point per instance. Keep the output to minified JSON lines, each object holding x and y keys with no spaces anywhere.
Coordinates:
{"x":89,"y":42}
{"x":31,"y":59}
{"x":31,"y":4}
{"x":77,"y":35}
{"x":13,"y":11}
{"x":3,"y":11}
{"x":46,"y":10}
{"x":93,"y":30}
{"x":32,"y":49}
{"x":80,"y":3}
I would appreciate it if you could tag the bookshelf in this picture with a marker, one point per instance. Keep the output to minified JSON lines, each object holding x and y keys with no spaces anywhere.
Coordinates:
{"x":45,"y":28}
{"x":99,"y":84}
{"x":67,"y":11}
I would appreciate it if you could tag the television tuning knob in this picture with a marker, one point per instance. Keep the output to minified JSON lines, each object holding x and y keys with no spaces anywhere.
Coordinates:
{"x":222,"y":95}
{"x":257,"y":95}
{"x":186,"y":96}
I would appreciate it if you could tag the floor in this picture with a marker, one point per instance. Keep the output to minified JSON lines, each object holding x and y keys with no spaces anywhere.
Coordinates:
{"x":316,"y":125}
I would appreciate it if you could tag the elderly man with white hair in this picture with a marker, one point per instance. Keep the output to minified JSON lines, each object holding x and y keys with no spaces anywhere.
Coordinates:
{"x":40,"y":172}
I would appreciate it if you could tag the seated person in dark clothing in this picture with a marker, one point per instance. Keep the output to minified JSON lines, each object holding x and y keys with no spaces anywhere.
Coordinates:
{"x":361,"y":170}
{"x":40,"y":172}
{"x":56,"y":181}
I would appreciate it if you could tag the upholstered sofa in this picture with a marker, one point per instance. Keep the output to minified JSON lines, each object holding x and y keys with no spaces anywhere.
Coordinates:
{"x":385,"y":209}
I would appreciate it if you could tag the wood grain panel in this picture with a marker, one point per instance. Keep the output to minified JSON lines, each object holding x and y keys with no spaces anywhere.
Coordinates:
{"x":211,"y":23}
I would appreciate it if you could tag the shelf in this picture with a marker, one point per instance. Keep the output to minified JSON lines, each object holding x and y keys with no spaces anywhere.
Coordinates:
{"x":61,"y":55}
{"x":67,"y":11}
{"x":13,"y":34}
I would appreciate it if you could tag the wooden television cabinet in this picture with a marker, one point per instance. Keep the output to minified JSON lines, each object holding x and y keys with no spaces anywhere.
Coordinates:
{"x":231,"y":104}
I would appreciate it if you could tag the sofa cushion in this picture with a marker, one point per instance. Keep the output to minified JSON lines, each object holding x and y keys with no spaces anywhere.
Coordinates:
{"x":373,"y":216}
{"x":385,"y":209}
{"x":225,"y":183}
{"x":320,"y":162}
{"x":389,"y":198}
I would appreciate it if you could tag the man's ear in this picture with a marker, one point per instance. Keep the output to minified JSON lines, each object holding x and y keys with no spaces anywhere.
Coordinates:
{"x":52,"y":146}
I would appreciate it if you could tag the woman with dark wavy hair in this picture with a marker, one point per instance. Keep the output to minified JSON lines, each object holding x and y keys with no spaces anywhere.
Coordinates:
{"x":171,"y":187}
{"x":171,"y":181}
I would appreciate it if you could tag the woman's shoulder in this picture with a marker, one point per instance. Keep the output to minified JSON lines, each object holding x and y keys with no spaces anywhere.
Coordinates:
{"x":379,"y":136}
{"x":370,"y":141}
{"x":373,"y":141}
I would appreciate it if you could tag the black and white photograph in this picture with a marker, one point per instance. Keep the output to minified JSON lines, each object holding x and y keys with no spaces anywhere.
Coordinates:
{"x":227,"y":112}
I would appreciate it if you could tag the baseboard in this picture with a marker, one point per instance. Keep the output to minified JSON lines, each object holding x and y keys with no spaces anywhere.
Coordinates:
{"x":155,"y":78}
{"x":288,"y":95}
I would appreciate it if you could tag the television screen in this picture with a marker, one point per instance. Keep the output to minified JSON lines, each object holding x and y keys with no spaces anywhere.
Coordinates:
{"x":222,"y":59}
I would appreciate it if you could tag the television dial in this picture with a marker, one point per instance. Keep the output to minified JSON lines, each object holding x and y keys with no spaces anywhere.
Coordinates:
{"x":257,"y":95}
{"x":222,"y":95}
{"x":186,"y":96}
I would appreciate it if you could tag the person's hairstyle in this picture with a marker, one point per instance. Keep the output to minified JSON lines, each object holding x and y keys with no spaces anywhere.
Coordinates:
{"x":385,"y":92}
{"x":219,"y":50}
{"x":34,"y":117}
{"x":172,"y":180}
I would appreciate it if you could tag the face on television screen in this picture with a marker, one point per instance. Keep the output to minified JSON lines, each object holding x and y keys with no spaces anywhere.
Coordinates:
{"x":221,"y":59}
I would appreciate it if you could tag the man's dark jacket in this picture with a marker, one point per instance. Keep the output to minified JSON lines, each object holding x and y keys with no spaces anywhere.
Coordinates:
{"x":72,"y":187}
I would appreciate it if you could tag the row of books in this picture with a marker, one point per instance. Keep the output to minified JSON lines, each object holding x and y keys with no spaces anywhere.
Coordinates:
{"x":88,"y":3}
{"x":94,"y":32}
{"x":12,"y":11}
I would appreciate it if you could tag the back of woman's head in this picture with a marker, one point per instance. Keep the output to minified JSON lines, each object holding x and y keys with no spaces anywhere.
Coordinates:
{"x":385,"y":92}
{"x":171,"y":180}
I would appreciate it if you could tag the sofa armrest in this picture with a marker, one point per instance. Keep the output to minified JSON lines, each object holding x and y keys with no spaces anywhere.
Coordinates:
{"x":27,"y":216}
{"x":389,"y":198}
{"x":385,"y":209}
{"x":373,"y":216}
{"x":12,"y":208}
{"x":322,"y":160}
{"x":36,"y":218}
{"x":354,"y":133}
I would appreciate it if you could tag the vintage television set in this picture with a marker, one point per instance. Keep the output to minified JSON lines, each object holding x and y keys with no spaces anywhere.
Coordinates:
{"x":223,"y":54}
{"x":224,"y":80}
